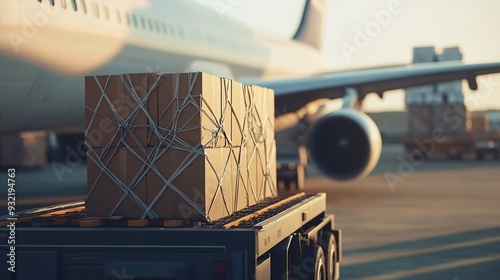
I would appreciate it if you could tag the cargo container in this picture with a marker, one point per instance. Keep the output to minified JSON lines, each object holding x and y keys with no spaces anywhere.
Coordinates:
{"x":438,"y":122}
{"x":450,"y":130}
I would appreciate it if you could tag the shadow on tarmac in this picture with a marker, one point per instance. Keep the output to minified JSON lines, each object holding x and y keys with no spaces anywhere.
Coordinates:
{"x":465,"y":255}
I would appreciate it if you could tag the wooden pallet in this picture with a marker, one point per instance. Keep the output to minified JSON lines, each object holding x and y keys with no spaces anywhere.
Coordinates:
{"x":75,"y":216}
{"x":126,"y":222}
{"x":255,"y":214}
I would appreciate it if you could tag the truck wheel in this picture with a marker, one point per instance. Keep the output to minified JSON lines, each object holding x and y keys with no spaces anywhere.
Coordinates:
{"x":313,"y":262}
{"x":496,"y":155}
{"x":329,"y":246}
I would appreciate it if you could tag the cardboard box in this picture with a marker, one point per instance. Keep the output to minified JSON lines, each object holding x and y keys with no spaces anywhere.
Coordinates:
{"x":238,"y":115}
{"x":261,"y":160}
{"x":424,"y":54}
{"x":190,"y":109}
{"x":256,"y":119}
{"x":116,"y":182}
{"x":450,"y":54}
{"x":198,"y":109}
{"x":239,"y":168}
{"x":450,"y":118}
{"x":420,"y":121}
{"x":190,"y":184}
{"x":478,"y":122}
{"x":120,"y":109}
{"x":204,"y":147}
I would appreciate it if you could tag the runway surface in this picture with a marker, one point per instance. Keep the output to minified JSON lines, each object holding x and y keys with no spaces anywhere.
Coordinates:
{"x":435,"y":219}
{"x":440,"y":220}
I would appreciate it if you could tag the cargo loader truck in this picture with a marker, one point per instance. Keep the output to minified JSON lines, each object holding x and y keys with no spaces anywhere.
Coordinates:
{"x":286,"y":237}
{"x":181,"y":185}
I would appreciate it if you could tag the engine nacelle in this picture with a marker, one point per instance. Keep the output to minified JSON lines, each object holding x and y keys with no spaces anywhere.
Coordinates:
{"x":344,"y":144}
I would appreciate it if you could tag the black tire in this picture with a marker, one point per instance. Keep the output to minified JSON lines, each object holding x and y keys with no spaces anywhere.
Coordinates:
{"x":496,"y":155}
{"x":313,"y":262}
{"x":329,"y":246}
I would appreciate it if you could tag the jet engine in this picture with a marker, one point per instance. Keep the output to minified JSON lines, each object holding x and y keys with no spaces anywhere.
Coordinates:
{"x":344,"y":144}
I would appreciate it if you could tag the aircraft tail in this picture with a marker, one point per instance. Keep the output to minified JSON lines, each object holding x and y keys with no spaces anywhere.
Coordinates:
{"x":310,"y":30}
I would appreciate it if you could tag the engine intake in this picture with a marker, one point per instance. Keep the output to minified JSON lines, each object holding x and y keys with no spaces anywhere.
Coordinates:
{"x":344,"y":144}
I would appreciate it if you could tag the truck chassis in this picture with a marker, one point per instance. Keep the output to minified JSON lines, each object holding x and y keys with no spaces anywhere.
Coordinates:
{"x":289,"y":237}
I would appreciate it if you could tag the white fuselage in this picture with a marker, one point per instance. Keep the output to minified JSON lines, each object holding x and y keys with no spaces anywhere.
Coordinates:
{"x":45,"y":50}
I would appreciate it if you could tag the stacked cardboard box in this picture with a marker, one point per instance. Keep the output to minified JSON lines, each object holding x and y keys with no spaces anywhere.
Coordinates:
{"x":478,"y":122}
{"x":442,"y":93}
{"x":450,"y":118}
{"x":419,"y":121}
{"x":451,"y":91}
{"x":421,"y":94}
{"x":188,"y":145}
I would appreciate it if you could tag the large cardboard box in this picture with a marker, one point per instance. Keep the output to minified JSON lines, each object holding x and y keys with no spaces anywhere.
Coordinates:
{"x":239,"y":184}
{"x":260,"y":114}
{"x":116,"y":182}
{"x":450,"y":118}
{"x":195,"y":184}
{"x":120,"y":109}
{"x":478,"y":122}
{"x":238,"y":110}
{"x":424,"y":54}
{"x":420,"y":121}
{"x":452,"y":89}
{"x":193,"y":110}
{"x":261,"y":172}
{"x":198,"y":147}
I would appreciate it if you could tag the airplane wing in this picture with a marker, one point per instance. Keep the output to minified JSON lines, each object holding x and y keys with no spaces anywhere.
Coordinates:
{"x":292,"y":94}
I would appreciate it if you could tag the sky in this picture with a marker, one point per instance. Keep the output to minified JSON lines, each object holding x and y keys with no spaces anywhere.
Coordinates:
{"x":474,"y":26}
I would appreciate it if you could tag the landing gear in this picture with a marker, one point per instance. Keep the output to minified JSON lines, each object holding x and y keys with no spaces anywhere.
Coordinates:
{"x":291,"y":171}
{"x":291,"y":178}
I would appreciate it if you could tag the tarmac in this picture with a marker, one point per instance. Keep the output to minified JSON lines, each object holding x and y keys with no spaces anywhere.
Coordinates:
{"x":433,"y":219}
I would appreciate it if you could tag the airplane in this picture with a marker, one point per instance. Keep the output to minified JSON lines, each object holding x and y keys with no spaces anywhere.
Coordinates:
{"x":48,"y":46}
